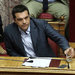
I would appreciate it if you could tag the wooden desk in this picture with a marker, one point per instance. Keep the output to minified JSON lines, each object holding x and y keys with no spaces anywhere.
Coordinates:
{"x":72,"y":44}
{"x":59,"y":26}
{"x":8,"y":67}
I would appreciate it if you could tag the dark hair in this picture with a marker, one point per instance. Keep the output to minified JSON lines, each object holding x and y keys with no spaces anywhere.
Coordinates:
{"x":19,"y":8}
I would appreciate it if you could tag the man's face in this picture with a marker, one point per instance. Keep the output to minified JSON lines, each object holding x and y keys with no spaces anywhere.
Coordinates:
{"x":22,"y":20}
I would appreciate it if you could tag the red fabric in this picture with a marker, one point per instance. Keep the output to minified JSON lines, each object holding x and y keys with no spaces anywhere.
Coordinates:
{"x":3,"y":46}
{"x":53,"y":46}
{"x":72,"y":21}
{"x":3,"y":55}
{"x":45,"y":16}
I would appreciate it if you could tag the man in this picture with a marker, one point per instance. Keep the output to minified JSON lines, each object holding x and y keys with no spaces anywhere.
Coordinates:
{"x":28,"y":37}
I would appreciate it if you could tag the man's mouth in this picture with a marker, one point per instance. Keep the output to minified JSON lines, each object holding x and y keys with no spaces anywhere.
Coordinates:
{"x":24,"y":25}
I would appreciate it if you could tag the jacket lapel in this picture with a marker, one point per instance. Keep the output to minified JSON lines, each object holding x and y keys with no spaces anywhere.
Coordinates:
{"x":34,"y":33}
{"x":19,"y":41}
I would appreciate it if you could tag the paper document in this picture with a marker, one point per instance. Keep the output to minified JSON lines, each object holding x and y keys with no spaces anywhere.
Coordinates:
{"x":38,"y":62}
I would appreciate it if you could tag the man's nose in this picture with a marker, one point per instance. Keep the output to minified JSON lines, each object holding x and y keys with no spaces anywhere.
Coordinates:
{"x":24,"y":21}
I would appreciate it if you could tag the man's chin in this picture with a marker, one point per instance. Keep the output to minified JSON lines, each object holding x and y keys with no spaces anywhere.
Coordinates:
{"x":24,"y":29}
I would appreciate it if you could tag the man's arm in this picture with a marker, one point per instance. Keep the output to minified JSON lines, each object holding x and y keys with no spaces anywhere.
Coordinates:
{"x":9,"y":46}
{"x":59,"y":39}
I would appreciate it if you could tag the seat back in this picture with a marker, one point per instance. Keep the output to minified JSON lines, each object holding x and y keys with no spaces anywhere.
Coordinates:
{"x":46,"y":16}
{"x":54,"y":46}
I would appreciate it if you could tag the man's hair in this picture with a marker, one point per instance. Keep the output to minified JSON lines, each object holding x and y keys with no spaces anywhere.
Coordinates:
{"x":18,"y":9}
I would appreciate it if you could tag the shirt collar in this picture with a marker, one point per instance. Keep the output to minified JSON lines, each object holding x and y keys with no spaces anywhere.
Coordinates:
{"x":27,"y":31}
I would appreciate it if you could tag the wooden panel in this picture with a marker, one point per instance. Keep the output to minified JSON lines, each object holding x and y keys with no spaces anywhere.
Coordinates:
{"x":59,"y":26}
{"x":72,"y":44}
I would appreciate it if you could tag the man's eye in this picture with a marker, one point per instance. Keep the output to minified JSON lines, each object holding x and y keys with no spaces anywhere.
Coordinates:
{"x":19,"y":19}
{"x":27,"y":17}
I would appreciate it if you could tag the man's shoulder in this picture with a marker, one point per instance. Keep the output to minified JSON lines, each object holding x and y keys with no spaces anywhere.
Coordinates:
{"x":39,"y":22}
{"x":9,"y":27}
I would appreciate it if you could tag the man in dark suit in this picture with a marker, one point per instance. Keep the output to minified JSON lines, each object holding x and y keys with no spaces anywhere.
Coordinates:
{"x":28,"y":37}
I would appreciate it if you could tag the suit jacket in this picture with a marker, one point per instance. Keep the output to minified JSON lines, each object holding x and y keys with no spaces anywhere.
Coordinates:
{"x":40,"y":30}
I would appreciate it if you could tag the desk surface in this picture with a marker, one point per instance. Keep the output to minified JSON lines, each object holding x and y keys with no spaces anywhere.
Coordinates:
{"x":16,"y":66}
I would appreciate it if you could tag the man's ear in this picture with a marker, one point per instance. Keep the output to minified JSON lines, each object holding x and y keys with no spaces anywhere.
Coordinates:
{"x":14,"y":20}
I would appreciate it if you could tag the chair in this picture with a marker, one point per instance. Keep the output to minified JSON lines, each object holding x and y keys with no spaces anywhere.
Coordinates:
{"x":46,"y":16}
{"x":54,"y":46}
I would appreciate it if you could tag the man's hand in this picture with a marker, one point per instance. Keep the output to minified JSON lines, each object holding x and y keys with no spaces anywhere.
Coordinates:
{"x":70,"y":52}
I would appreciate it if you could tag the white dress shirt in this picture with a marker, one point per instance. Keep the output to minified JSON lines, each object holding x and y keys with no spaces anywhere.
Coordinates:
{"x":27,"y":42}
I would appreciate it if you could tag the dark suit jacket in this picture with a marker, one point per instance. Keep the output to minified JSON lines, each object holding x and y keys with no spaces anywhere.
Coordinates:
{"x":40,"y":31}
